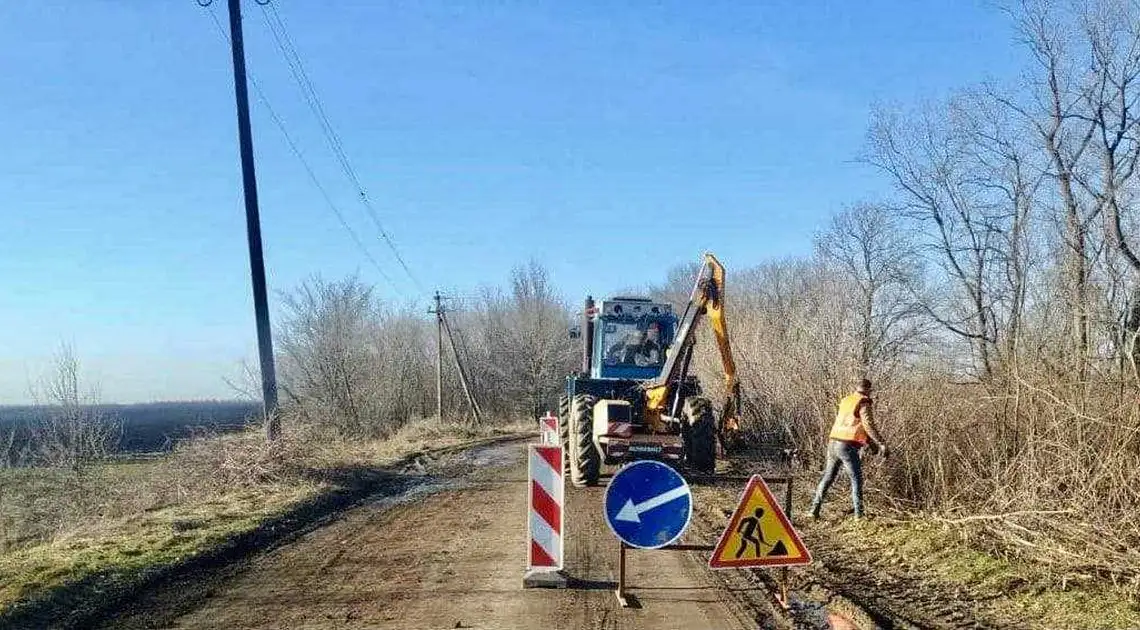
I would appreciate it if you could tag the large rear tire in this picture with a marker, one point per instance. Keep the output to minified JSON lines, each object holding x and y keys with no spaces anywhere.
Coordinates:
{"x":585,"y":460}
{"x":564,"y":431}
{"x":700,"y":442}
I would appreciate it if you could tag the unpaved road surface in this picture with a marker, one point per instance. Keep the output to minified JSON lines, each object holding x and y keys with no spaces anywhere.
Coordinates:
{"x":450,"y":558}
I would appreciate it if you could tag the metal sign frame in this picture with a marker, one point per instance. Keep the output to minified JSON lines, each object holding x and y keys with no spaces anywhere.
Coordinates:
{"x":786,"y":480}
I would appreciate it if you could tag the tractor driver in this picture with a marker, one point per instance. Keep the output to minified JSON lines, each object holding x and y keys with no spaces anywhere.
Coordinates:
{"x":638,"y":347}
{"x":645,"y":347}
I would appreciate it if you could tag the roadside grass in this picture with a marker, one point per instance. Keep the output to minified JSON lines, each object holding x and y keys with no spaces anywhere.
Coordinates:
{"x":1011,"y":587}
{"x":968,"y":561}
{"x":118,"y":520}
{"x":125,"y":546}
{"x":1056,"y":572}
{"x":415,"y":437}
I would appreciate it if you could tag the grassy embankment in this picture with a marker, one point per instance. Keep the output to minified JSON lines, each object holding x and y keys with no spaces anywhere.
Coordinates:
{"x":968,"y":560}
{"x":1012,"y":569}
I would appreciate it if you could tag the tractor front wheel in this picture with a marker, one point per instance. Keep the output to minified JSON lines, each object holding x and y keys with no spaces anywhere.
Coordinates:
{"x":700,"y":442}
{"x":585,"y":460}
{"x":564,"y":431}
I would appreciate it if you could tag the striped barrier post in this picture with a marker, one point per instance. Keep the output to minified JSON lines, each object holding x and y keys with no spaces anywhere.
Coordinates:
{"x":548,"y":429}
{"x":544,"y":518}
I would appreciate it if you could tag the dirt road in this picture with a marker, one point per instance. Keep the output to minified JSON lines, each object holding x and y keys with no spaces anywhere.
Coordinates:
{"x":449,"y":558}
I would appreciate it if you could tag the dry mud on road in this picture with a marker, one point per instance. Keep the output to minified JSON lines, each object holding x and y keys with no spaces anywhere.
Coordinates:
{"x":451,"y":557}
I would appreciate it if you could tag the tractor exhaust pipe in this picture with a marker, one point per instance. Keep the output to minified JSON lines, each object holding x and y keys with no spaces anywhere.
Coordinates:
{"x":587,"y":334}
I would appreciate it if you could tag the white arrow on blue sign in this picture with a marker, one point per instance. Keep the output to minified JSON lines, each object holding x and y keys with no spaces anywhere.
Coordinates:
{"x":648,"y":504}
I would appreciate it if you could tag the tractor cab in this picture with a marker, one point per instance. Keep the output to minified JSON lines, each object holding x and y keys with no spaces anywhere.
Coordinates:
{"x":630,"y":338}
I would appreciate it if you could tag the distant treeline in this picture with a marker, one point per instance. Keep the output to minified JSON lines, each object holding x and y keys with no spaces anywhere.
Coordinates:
{"x":148,"y":427}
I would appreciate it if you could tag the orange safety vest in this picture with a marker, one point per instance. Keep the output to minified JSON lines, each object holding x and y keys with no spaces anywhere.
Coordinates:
{"x":848,"y":423}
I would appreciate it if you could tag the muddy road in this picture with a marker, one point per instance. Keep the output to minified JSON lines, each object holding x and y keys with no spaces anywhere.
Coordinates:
{"x":451,"y":554}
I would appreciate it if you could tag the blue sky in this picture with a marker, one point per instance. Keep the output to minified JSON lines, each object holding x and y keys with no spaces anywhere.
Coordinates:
{"x":608,"y":142}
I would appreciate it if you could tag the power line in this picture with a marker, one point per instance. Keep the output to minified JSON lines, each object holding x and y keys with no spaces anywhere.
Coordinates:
{"x":288,"y":50}
{"x":301,"y":158}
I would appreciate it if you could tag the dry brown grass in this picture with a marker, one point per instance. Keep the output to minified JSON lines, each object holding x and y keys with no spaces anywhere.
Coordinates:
{"x":1030,"y":464}
{"x":58,"y":526}
{"x":1022,"y":473}
{"x":1032,"y":475}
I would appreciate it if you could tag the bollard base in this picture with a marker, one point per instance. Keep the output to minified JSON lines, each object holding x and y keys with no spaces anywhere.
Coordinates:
{"x":544,"y":578}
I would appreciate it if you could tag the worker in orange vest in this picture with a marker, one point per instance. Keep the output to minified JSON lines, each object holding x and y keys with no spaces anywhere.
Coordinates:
{"x":853,"y":430}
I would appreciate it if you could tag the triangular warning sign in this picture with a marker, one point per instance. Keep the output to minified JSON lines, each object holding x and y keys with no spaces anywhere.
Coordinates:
{"x":758,"y":534}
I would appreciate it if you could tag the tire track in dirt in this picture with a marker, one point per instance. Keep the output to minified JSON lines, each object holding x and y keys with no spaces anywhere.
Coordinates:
{"x":893,"y":601}
{"x":453,"y":559}
{"x":657,"y":581}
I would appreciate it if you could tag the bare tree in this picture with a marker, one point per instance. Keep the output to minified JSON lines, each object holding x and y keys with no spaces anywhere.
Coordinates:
{"x":678,"y":284}
{"x":1056,"y":114}
{"x":362,"y":369}
{"x":247,"y":386}
{"x":347,"y":361}
{"x":323,"y":339}
{"x":867,"y":247}
{"x":929,"y":158}
{"x":1009,"y":169}
{"x":524,"y":337}
{"x":1112,"y":28}
{"x":73,"y":431}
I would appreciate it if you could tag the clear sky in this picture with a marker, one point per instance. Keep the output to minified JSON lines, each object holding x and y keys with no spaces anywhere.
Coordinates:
{"x":607,"y":140}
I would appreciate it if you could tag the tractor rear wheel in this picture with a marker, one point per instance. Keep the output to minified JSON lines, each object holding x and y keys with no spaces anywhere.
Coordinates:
{"x":564,"y":431}
{"x":585,"y":460}
{"x":700,"y":442}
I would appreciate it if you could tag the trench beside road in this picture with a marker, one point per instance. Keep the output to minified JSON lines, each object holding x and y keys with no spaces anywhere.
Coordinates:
{"x":452,"y":556}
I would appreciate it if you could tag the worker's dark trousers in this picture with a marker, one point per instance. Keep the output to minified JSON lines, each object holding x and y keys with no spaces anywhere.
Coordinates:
{"x":847,"y":454}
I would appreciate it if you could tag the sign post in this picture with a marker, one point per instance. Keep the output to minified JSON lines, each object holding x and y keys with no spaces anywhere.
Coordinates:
{"x":648,"y":506}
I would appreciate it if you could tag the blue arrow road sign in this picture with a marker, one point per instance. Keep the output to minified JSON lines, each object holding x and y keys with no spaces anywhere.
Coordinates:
{"x":648,"y":504}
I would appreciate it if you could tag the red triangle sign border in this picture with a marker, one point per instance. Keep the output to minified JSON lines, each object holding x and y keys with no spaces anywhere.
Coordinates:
{"x":756,"y":482}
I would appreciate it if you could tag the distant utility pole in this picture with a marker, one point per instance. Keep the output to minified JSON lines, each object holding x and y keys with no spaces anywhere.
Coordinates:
{"x":438,"y":355}
{"x":475,"y":409}
{"x":253,"y":228}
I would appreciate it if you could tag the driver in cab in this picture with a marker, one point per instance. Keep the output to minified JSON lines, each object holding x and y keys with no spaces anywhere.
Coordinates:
{"x":642,"y":348}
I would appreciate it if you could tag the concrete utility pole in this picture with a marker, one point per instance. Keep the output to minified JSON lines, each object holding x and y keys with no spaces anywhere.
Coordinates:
{"x":442,"y":326}
{"x":475,"y":409}
{"x":253,"y":228}
{"x":438,"y":356}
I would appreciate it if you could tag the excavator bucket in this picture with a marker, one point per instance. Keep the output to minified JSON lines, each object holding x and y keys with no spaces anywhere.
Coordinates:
{"x":728,"y":432}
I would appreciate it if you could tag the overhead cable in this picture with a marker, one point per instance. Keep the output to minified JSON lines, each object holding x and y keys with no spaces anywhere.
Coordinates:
{"x":288,"y":50}
{"x":305,"y":163}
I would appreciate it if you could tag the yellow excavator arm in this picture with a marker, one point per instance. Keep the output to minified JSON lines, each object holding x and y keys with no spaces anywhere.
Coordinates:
{"x":706,"y":299}
{"x":714,"y":309}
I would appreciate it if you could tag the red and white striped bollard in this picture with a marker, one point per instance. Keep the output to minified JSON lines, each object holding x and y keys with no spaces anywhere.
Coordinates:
{"x":548,"y":429}
{"x":545,"y":522}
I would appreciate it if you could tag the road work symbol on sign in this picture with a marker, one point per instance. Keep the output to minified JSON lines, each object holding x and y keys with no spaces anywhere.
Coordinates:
{"x":758,"y":534}
{"x":648,"y":505}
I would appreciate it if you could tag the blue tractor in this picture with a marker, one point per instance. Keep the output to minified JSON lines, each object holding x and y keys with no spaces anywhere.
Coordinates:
{"x":633,"y":397}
